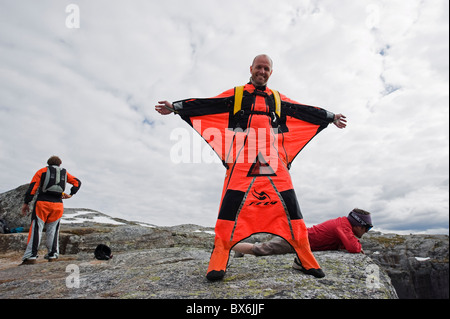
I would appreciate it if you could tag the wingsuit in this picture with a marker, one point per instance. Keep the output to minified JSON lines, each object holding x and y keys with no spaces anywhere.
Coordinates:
{"x":49,"y":182}
{"x":257,"y":133}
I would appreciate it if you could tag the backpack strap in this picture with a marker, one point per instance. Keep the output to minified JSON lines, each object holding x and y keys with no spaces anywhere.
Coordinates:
{"x":239,"y":94}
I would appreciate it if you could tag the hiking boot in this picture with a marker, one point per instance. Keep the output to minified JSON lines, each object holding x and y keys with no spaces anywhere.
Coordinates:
{"x":297,"y":265}
{"x":29,"y":261}
{"x":51,"y":257}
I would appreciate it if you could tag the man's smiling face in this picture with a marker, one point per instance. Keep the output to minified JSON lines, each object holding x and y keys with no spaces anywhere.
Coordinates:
{"x":261,"y":70}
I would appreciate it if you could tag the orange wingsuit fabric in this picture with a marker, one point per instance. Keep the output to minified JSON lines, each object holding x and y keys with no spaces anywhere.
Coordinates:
{"x":257,"y":148}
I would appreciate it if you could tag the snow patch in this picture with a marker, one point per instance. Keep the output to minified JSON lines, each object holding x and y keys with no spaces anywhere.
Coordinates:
{"x":77,"y":218}
{"x":204,"y":231}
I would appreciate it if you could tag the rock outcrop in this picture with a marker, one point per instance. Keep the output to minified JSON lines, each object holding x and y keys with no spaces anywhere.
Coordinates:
{"x":11,"y":206}
{"x":416,"y":264}
{"x":171,"y":262}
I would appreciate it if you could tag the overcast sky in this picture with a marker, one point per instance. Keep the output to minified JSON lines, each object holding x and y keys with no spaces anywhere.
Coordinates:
{"x":81,"y":82}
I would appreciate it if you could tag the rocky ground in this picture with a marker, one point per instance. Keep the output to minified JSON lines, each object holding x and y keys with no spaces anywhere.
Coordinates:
{"x":171,"y":262}
{"x":179,"y":273}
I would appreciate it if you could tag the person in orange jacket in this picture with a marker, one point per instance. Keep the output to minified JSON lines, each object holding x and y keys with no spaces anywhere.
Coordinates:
{"x":342,"y":233}
{"x":257,"y":132}
{"x":49,"y":182}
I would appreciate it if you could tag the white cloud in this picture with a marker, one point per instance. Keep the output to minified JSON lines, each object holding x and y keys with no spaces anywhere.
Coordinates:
{"x":88,"y":95}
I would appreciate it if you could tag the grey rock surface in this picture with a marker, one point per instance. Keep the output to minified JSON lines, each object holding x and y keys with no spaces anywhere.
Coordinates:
{"x":170,"y":262}
{"x":179,"y":273}
{"x":417,"y":264}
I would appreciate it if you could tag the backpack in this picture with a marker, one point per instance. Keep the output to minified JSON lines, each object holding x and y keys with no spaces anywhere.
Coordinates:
{"x":55,"y":180}
{"x":4,"y":229}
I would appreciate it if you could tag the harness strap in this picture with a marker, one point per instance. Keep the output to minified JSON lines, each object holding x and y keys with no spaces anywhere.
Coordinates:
{"x":276,"y":96}
{"x":239,"y":94}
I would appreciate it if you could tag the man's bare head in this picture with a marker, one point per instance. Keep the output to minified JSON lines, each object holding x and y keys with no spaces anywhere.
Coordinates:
{"x":261,"y":69}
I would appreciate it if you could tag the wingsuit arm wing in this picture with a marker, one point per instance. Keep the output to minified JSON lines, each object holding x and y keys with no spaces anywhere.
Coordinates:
{"x":76,"y":184}
{"x":196,"y":107}
{"x":300,"y":123}
{"x":307,"y":113}
{"x":34,"y":185}
{"x":210,"y":117}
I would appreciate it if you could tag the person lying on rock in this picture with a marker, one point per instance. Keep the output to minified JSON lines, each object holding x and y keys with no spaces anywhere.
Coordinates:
{"x":342,"y":233}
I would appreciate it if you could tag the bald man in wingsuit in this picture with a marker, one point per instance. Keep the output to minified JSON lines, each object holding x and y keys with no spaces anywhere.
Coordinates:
{"x":257,"y":132}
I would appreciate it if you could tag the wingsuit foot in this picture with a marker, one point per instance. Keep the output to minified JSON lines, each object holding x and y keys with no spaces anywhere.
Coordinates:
{"x":215,"y":275}
{"x":318,"y":273}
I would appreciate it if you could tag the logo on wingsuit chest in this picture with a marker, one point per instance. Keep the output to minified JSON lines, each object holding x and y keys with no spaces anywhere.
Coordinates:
{"x":263,"y":199}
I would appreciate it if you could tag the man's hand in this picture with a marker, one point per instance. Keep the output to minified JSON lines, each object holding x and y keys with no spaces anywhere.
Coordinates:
{"x":340,"y":121}
{"x":25,"y":209}
{"x":164,"y":107}
{"x":65,"y":196}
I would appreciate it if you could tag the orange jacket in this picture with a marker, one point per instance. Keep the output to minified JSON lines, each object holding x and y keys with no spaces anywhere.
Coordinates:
{"x":37,"y":181}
